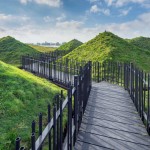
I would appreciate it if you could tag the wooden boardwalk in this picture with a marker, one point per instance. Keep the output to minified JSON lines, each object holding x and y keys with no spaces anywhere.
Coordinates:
{"x":111,"y":122}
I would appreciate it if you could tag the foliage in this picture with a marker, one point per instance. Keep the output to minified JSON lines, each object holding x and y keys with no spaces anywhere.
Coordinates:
{"x":141,"y":42}
{"x":71,"y":45}
{"x":11,"y":50}
{"x":107,"y":46}
{"x":22,"y":97}
{"x":42,"y":48}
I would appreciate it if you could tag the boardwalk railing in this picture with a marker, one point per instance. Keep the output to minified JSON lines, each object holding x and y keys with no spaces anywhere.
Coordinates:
{"x":49,"y":56}
{"x":60,"y":72}
{"x":133,"y":79}
{"x":108,"y":71}
{"x":55,"y":135}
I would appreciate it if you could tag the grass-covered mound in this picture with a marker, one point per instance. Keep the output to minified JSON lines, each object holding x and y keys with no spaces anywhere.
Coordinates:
{"x":42,"y":49}
{"x":107,"y":46}
{"x":69,"y":46}
{"x":141,"y":42}
{"x":11,"y":50}
{"x":22,"y":97}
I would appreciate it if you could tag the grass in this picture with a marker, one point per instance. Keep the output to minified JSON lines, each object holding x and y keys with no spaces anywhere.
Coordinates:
{"x":71,"y":45}
{"x":141,"y":42}
{"x":22,"y":97}
{"x":107,"y":46}
{"x":42,"y":49}
{"x":11,"y":50}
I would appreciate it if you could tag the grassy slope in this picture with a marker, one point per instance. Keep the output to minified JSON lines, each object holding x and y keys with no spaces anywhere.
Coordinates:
{"x":11,"y":50}
{"x":42,"y":48}
{"x":107,"y":46}
{"x":141,"y":42}
{"x":22,"y":97}
{"x":71,"y":45}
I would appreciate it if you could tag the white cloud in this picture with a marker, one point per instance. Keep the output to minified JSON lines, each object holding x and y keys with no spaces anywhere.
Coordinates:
{"x":123,"y":2}
{"x":120,"y":3}
{"x":61,"y":18}
{"x":125,"y":12}
{"x":69,"y":25}
{"x":67,"y":30}
{"x":50,"y":19}
{"x":137,"y":27}
{"x":25,"y":1}
{"x":51,"y":3}
{"x":4,"y":17}
{"x":96,"y":9}
{"x":106,"y":12}
{"x":12,"y":23}
{"x":8,"y":18}
{"x":23,"y":18}
{"x":128,"y":29}
{"x":47,"y":19}
{"x":2,"y":30}
{"x":109,"y":2}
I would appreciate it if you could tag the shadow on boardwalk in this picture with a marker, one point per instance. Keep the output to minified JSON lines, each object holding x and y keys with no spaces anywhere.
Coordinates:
{"x":111,"y":122}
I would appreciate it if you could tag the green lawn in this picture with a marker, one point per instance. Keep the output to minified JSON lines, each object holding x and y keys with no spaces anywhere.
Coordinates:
{"x":12,"y":50}
{"x":42,"y":49}
{"x":107,"y":46}
{"x":22,"y":97}
{"x":69,"y":46}
{"x":141,"y":42}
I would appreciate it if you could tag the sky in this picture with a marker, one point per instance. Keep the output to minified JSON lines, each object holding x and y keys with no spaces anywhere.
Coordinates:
{"x":33,"y":21}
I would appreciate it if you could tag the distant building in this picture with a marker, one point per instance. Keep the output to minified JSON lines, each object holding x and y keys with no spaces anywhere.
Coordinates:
{"x":50,"y":44}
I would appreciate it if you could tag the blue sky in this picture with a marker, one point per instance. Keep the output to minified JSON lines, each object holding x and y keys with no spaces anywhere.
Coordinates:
{"x":63,"y":20}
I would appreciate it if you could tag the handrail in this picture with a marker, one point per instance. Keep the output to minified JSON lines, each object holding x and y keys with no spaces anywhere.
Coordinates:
{"x":42,"y":137}
{"x":136,"y":82}
{"x":47,"y":129}
{"x":80,"y":86}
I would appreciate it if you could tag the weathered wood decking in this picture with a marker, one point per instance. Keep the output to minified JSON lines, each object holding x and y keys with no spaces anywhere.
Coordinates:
{"x":111,"y":122}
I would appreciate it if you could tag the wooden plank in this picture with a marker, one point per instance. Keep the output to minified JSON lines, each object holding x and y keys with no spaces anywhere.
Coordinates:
{"x":111,"y":121}
{"x":102,"y":100}
{"x":110,"y":143}
{"x":112,"y":111}
{"x":86,"y":146}
{"x":110,"y":99}
{"x":115,"y":125}
{"x":120,"y":135}
{"x":113,"y":107}
{"x":107,"y":94}
{"x":113,"y":118}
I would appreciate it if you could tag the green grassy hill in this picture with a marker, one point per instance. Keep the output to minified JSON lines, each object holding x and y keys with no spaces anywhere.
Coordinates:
{"x":71,"y":45}
{"x":22,"y":97}
{"x":141,"y":42}
{"x":11,"y":50}
{"x":42,"y":49}
{"x":107,"y":46}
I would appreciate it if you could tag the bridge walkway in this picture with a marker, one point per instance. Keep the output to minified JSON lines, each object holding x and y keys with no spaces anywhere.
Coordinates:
{"x":111,"y":121}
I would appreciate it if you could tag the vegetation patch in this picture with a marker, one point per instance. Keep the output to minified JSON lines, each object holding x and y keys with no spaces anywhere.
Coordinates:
{"x":42,"y":49}
{"x":22,"y":97}
{"x":107,"y":46}
{"x":141,"y":42}
{"x":11,"y":50}
{"x":71,"y":45}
